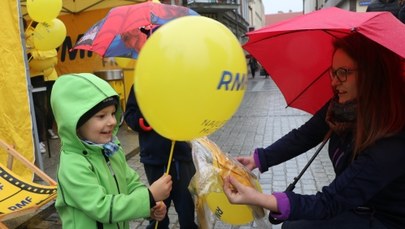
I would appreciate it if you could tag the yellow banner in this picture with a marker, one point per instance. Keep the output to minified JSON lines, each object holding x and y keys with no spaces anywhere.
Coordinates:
{"x":15,"y":117}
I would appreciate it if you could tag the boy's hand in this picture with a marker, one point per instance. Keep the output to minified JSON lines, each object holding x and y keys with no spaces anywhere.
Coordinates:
{"x":158,"y":212}
{"x":161,"y":188}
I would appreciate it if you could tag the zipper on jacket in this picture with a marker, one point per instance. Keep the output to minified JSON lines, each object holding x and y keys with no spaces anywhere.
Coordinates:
{"x":107,"y":160}
{"x":112,"y":172}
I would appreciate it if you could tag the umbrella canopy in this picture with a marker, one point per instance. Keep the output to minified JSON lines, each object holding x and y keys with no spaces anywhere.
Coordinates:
{"x":297,"y":53}
{"x":125,"y":28}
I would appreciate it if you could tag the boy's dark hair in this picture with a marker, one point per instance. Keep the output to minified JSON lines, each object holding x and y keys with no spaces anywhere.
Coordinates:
{"x":113,"y":100}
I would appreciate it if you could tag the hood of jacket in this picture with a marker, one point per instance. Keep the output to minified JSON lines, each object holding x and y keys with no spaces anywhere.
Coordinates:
{"x":72,"y":96}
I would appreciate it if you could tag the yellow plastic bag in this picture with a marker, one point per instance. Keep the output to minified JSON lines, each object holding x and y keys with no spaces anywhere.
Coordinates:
{"x":212,"y":165}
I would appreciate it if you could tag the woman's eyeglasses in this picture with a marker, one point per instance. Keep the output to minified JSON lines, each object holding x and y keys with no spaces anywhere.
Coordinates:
{"x":340,"y":73}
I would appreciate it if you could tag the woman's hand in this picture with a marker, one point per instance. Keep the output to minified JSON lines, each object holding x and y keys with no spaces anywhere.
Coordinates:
{"x":237,"y":193}
{"x":158,"y":212}
{"x":247,"y":161}
{"x":161,"y":188}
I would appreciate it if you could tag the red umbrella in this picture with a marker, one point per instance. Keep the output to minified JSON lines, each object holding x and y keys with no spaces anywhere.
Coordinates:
{"x":297,"y":53}
{"x":125,"y":28}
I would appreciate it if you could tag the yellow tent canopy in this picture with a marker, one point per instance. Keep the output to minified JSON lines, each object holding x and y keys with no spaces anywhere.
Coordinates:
{"x":80,"y":6}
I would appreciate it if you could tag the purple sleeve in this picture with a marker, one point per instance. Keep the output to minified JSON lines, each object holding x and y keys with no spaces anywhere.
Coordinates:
{"x":283,"y":205}
{"x":257,"y":160}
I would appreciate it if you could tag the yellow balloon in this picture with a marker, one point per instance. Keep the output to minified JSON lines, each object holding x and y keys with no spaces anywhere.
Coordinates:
{"x":50,"y":74}
{"x":49,"y":35}
{"x":41,"y":65}
{"x":43,"y":10}
{"x":226,"y":212}
{"x":190,"y":77}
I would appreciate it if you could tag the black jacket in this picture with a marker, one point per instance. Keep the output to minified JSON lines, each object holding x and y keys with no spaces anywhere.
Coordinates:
{"x":154,"y":148}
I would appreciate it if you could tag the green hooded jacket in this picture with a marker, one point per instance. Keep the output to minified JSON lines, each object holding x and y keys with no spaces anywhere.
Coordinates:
{"x":92,"y":193}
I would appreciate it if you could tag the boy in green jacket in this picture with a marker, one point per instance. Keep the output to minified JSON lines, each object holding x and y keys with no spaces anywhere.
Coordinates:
{"x":96,"y":186}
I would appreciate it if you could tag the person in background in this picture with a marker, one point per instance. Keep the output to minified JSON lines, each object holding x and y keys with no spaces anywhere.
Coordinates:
{"x":401,"y":12}
{"x":253,"y":66}
{"x":50,"y":123}
{"x":396,"y":7}
{"x":154,"y":154}
{"x":39,"y":98}
{"x":96,"y":186}
{"x":366,"y":118}
{"x":37,"y":82}
{"x":392,"y":6}
{"x":42,"y":64}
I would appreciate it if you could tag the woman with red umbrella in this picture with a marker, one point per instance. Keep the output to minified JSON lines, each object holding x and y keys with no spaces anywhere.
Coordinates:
{"x":366,"y":123}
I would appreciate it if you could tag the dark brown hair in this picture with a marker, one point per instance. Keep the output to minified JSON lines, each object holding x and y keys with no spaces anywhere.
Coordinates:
{"x":380,"y":90}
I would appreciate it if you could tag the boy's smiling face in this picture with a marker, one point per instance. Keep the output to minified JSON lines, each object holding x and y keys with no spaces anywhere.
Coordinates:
{"x":99,"y":128}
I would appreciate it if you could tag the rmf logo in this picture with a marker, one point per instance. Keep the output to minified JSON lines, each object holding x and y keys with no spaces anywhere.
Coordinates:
{"x":231,"y":82}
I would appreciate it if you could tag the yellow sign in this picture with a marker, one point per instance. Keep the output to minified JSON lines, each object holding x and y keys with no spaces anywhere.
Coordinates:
{"x":17,"y":194}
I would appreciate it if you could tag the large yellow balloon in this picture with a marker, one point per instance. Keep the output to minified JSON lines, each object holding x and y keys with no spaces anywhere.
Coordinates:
{"x":49,"y":35}
{"x":226,"y":212}
{"x":43,"y":10}
{"x":235,"y":214}
{"x":190,"y":77}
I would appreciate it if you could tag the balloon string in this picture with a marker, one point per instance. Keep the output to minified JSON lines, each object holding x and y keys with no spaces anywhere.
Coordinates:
{"x":170,"y":157}
{"x":169,"y":163}
{"x":29,"y":25}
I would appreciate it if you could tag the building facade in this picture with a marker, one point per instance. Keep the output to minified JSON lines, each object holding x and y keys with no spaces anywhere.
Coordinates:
{"x":352,"y":5}
{"x":238,"y":15}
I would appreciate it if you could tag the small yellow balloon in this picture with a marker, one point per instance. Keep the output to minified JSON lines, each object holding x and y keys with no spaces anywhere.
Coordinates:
{"x":50,"y":74}
{"x":190,"y":77}
{"x":49,"y":35}
{"x":41,"y":65}
{"x":43,"y":10}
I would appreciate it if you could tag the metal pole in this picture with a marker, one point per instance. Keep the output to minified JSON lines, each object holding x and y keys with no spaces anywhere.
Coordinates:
{"x":38,"y":156}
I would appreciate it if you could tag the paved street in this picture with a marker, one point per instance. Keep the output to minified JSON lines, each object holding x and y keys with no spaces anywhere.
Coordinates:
{"x":260,"y":120}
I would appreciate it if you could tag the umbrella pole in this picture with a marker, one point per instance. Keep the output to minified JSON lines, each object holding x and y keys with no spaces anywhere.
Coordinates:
{"x":169,"y":163}
{"x":296,"y":179}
